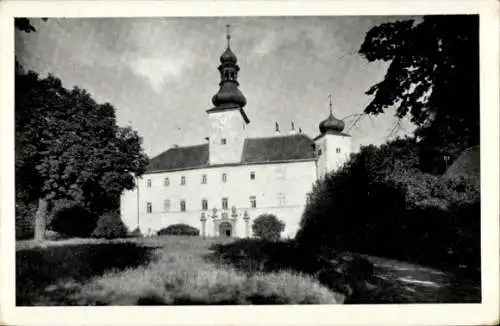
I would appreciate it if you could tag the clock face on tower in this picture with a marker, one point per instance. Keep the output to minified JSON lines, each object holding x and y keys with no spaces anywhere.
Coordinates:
{"x":221,"y":122}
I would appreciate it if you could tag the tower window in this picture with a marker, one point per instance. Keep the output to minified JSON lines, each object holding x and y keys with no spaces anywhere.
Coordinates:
{"x":183,"y":180}
{"x":166,"y":182}
{"x":224,"y":203}
{"x":253,"y":202}
{"x":166,"y":205}
{"x":223,"y":141}
{"x":204,"y":179}
{"x":224,"y":177}
{"x":281,"y":199}
{"x":252,"y":175}
{"x":338,"y":150}
{"x":204,"y":204}
{"x":148,"y":182}
{"x":319,"y":152}
{"x":183,"y":205}
{"x":149,"y":207}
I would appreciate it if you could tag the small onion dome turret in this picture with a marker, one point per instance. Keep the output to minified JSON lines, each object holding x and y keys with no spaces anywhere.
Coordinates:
{"x":331,"y":124}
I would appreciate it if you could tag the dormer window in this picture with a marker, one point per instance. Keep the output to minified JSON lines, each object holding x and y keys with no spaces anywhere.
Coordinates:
{"x":223,"y":141}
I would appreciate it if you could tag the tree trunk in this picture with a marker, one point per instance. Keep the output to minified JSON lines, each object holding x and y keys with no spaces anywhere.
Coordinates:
{"x":40,"y":219}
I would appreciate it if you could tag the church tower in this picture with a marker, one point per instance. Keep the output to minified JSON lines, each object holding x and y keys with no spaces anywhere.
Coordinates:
{"x":333,"y":147}
{"x":228,"y":119}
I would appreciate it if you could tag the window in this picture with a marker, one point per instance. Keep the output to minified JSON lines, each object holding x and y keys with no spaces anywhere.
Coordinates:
{"x":166,"y":182}
{"x":204,"y":179}
{"x":252,"y":175}
{"x":224,"y":203}
{"x":338,"y":150}
{"x":280,"y":172}
{"x":204,"y":204}
{"x":166,"y":205}
{"x":319,"y":152}
{"x":253,"y":202}
{"x":183,"y":180}
{"x":149,"y":208}
{"x":281,"y":199}
{"x":149,"y":183}
{"x":223,"y":141}
{"x":183,"y":205}
{"x":224,"y":177}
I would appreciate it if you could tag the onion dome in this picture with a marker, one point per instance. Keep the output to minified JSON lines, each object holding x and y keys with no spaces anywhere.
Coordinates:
{"x":228,"y":56}
{"x":229,"y":95}
{"x":331,"y":124}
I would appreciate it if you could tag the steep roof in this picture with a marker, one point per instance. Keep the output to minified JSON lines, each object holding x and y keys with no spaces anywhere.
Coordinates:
{"x":467,"y":163}
{"x":255,"y":150}
{"x":279,"y":148}
{"x":180,"y":158}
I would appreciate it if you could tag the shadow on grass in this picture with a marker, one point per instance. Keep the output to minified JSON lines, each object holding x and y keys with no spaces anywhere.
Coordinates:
{"x":396,"y":282}
{"x":45,"y":276}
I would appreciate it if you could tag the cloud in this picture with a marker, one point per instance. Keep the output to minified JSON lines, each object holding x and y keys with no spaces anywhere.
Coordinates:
{"x":265,"y":45}
{"x":158,"y":69}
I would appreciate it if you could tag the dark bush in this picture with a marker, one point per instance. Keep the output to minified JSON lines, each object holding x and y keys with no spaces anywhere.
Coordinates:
{"x":394,"y":212}
{"x":179,"y":229}
{"x":25,"y":220}
{"x":73,"y":219}
{"x":136,"y":233}
{"x":110,"y":226}
{"x":268,"y":227}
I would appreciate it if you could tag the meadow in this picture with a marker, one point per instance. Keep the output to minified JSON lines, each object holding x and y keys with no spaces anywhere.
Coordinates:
{"x":178,"y":270}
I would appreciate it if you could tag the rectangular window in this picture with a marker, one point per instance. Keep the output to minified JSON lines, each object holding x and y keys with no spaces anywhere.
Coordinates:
{"x":166,"y":205}
{"x":223,"y":141}
{"x":183,"y":180}
{"x":183,"y":205}
{"x":204,"y":204}
{"x":166,"y":182}
{"x":252,"y":175}
{"x":224,"y":203}
{"x":253,"y":202}
{"x":149,"y":183}
{"x":224,"y":177}
{"x":149,"y":207}
{"x":204,"y":179}
{"x":280,"y":172}
{"x":281,"y":199}
{"x":338,"y":150}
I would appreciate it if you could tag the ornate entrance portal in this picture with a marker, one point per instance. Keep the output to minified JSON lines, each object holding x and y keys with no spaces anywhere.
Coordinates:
{"x":225,"y":229}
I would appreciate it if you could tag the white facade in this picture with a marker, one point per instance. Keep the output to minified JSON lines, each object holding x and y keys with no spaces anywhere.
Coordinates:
{"x":333,"y":150}
{"x":278,"y":188}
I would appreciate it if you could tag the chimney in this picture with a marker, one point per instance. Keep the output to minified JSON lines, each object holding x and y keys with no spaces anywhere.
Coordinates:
{"x":292,"y":129}
{"x":276,"y":128}
{"x":300,"y":130}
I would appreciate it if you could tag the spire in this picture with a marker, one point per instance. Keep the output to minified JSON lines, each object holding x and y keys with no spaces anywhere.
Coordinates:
{"x":330,"y":97}
{"x":229,"y":95}
{"x":228,"y":36}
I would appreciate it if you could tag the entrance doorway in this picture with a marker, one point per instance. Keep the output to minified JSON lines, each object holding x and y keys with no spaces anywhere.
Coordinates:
{"x":225,"y":229}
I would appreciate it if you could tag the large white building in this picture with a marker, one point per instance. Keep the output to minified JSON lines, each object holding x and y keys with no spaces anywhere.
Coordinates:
{"x":220,"y":186}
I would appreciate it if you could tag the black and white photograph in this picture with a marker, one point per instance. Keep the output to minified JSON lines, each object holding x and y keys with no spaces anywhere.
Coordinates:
{"x":252,"y":160}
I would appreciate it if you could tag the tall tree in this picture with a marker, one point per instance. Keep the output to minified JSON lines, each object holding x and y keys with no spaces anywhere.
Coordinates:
{"x":433,"y":76}
{"x":70,"y":147}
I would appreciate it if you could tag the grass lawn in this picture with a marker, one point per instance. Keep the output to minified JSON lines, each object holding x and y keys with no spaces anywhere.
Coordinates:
{"x":151,"y":271}
{"x":190,"y":270}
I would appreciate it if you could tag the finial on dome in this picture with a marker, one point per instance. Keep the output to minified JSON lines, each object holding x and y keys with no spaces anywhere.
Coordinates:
{"x":228,"y":36}
{"x":330,"y":97}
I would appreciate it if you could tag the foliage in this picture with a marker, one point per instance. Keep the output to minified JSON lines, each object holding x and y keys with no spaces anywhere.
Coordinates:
{"x":371,"y":207}
{"x":433,"y":76}
{"x":268,"y":227}
{"x":24,"y":24}
{"x":110,"y":226}
{"x":135,"y":233}
{"x":179,"y":229}
{"x":70,"y":147}
{"x":72,"y":219}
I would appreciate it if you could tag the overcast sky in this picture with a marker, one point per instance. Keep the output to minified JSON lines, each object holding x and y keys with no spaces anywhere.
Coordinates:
{"x":161,"y":73}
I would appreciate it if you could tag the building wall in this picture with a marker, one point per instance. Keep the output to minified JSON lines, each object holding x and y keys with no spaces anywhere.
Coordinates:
{"x":228,"y":125}
{"x":279,"y":188}
{"x":330,"y":159}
